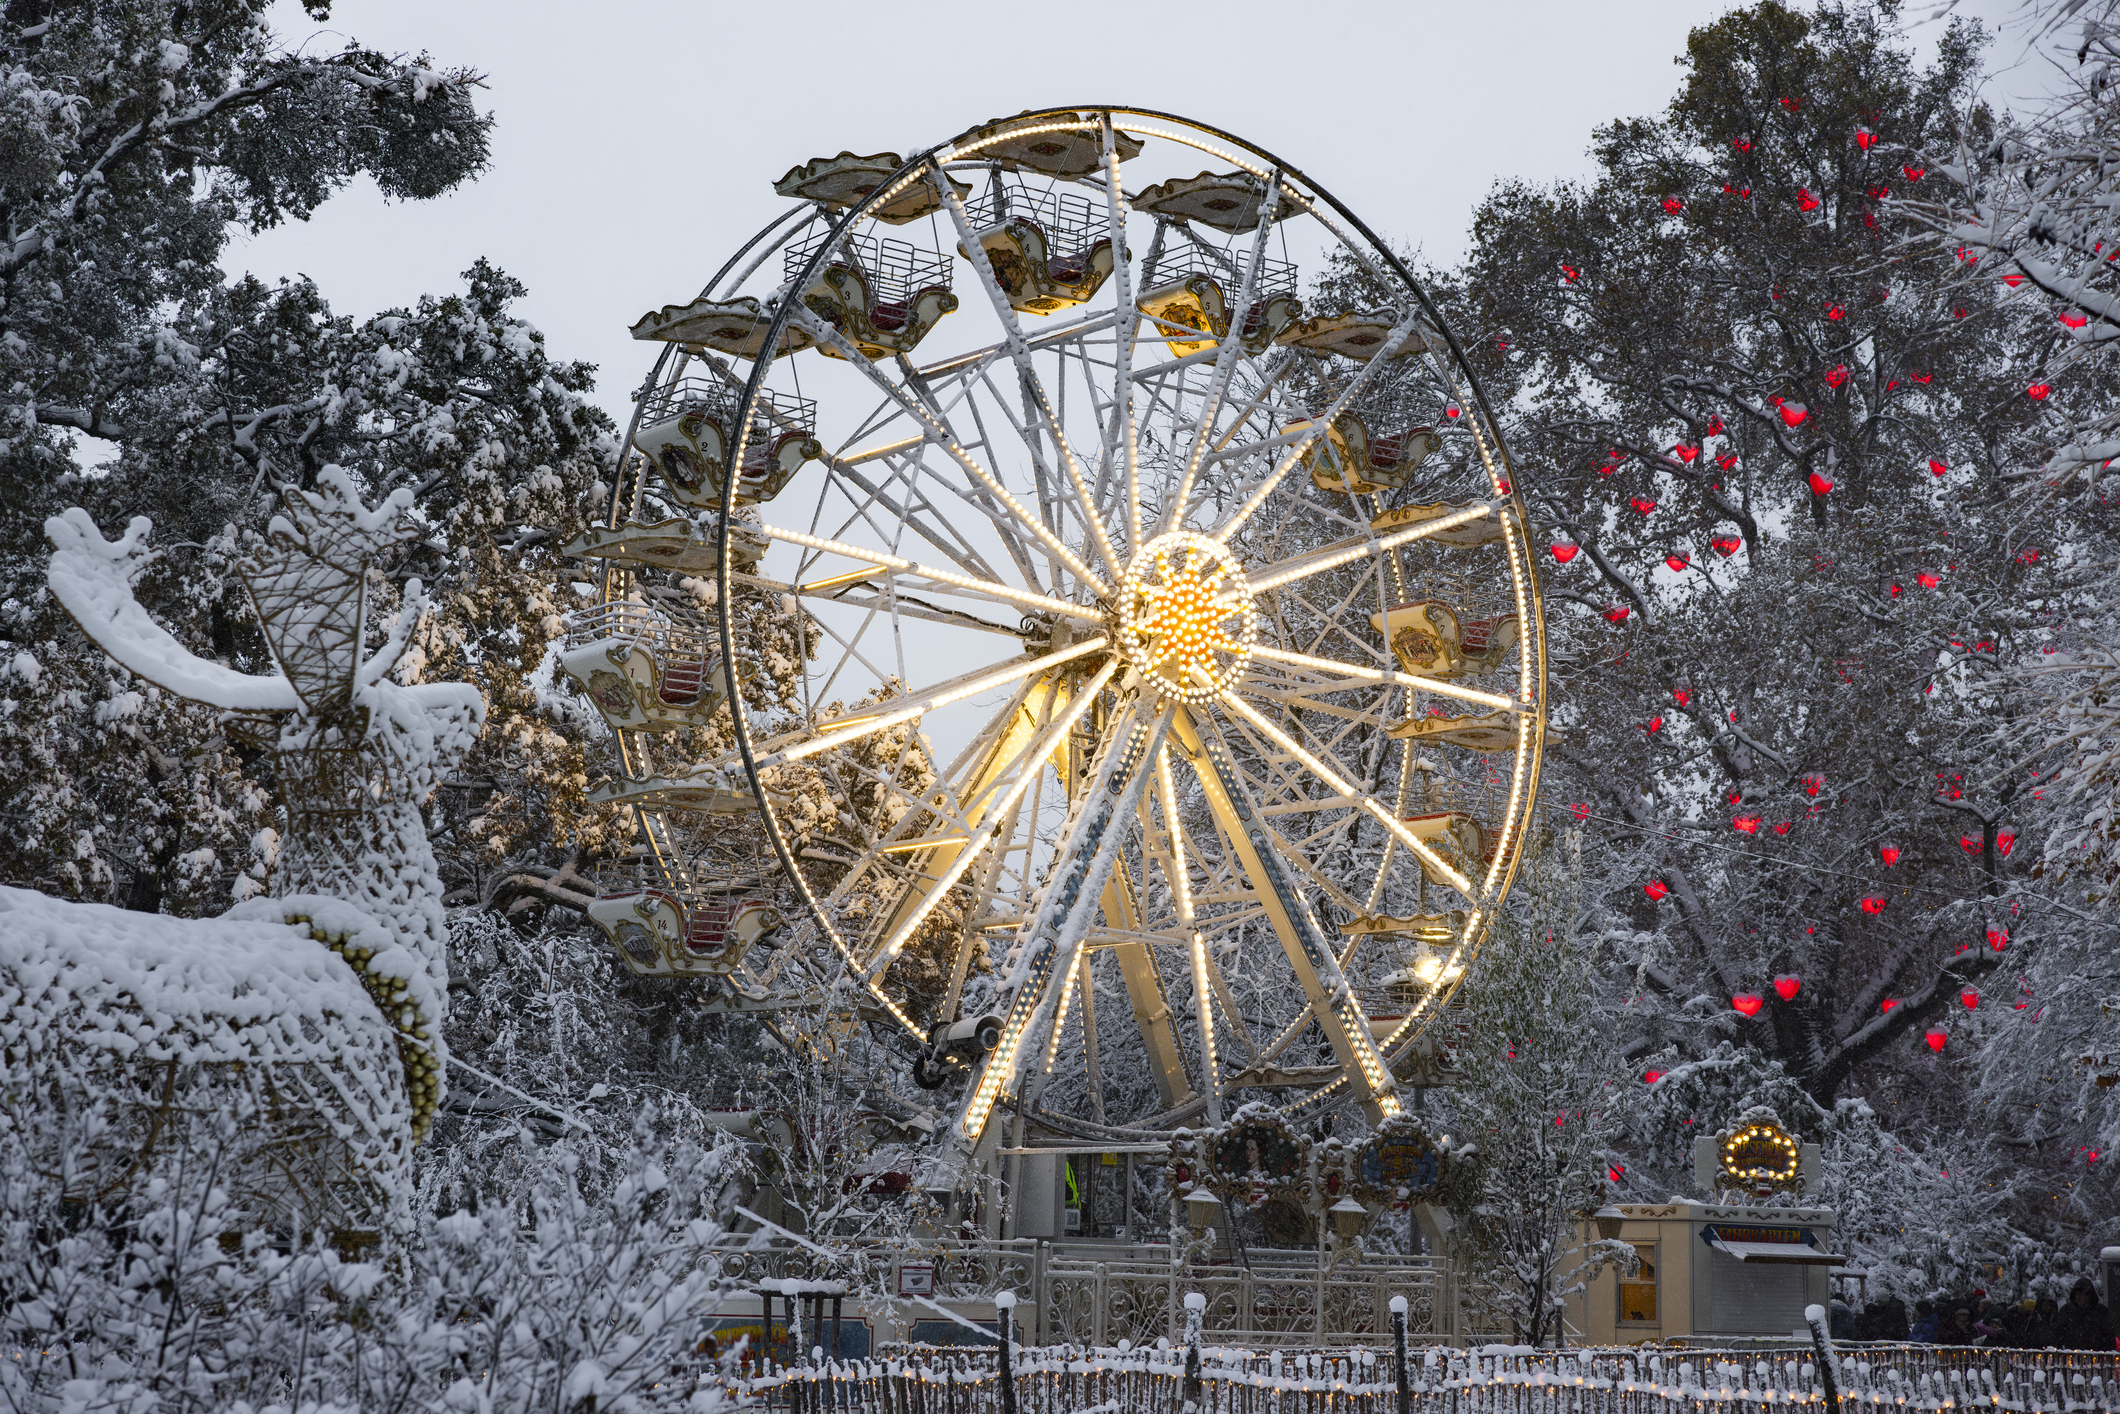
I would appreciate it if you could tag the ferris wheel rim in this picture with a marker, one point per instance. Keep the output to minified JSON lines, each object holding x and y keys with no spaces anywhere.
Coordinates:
{"x":1408,"y":1035}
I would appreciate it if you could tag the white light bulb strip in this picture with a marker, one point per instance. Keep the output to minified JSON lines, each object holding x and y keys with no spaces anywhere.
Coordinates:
{"x":1387,"y":676}
{"x":1341,"y":786}
{"x":1024,"y":597}
{"x":1032,"y":761}
{"x":868,"y":726}
{"x":1396,"y":538}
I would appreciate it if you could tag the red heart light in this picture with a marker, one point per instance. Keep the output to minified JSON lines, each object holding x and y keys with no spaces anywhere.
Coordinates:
{"x":1451,"y":411}
{"x":1914,"y":174}
{"x":2075,"y":321}
{"x":1617,"y":613}
{"x":1927,"y":580}
{"x":1564,"y":552}
{"x":1836,"y":311}
{"x":1580,"y":810}
{"x":1742,"y":144}
{"x":1652,"y":1076}
{"x":1889,"y":854}
{"x":2038,"y":391}
{"x":1895,"y":591}
{"x":1969,"y":843}
{"x":1570,"y":273}
{"x":1727,"y":545}
{"x":1681,"y":696}
{"x":1685,"y":453}
{"x":1746,"y":824}
{"x":1748,"y":1002}
{"x":1819,"y":485}
{"x":1813,"y":783}
{"x":2004,"y":840}
{"x":1959,"y":311}
{"x":1921,"y":377}
{"x":1936,"y":1040}
{"x":1794,"y":413}
{"x":1642,"y":505}
{"x":1678,"y":561}
{"x":1805,"y":201}
{"x":1837,"y":376}
{"x":1656,"y":888}
{"x":1890,"y":1002}
{"x":1865,"y":139}
{"x":1672,"y":206}
{"x":1787,"y":987}
{"x":1727,"y":460}
{"x":1715,"y":427}
{"x":1873,"y":905}
{"x":1998,"y":938}
{"x":1654,"y":725}
{"x":1938,"y":467}
{"x":2013,"y":281}
{"x":1971,"y":997}
{"x":1878,"y":191}
{"x":1782,"y":827}
{"x":1613,"y":1172}
{"x":1790,"y":103}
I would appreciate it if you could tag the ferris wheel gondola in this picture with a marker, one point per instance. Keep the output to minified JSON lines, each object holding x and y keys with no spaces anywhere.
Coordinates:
{"x":1105,"y":623}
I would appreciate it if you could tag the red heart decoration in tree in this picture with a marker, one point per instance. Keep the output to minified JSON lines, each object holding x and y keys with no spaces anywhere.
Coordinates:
{"x":1927,"y":580}
{"x":1678,"y":562}
{"x":1653,"y":725}
{"x":1914,"y":174}
{"x":2037,"y":391}
{"x":1784,"y":826}
{"x":1805,"y":201}
{"x":2004,"y":840}
{"x":1563,"y":551}
{"x":1921,"y":377}
{"x":1813,"y":783}
{"x":1969,"y":843}
{"x":1998,"y":938}
{"x":1652,"y":1076}
{"x":1606,"y":470}
{"x":2013,"y":281}
{"x":1742,"y":144}
{"x":1879,"y":191}
{"x":2075,"y":321}
{"x":1715,"y":427}
{"x":1889,"y":1003}
{"x":1736,"y":797}
{"x":1819,"y":485}
{"x":1938,"y":467}
{"x":1727,"y":461}
{"x":1672,"y":206}
{"x":1971,"y":997}
{"x":1451,"y":411}
{"x":1681,"y":696}
{"x":1790,"y":103}
{"x":1656,"y":888}
{"x":1642,"y":504}
{"x":1936,"y":1040}
{"x":1746,"y":824}
{"x":1580,"y":810}
{"x":1613,"y":1172}
{"x":1685,"y":453}
{"x":1889,"y":854}
{"x":1726,"y":545}
{"x":1837,"y":376}
{"x":1787,"y":987}
{"x":1873,"y":905}
{"x":1794,"y":413}
{"x":1570,"y":273}
{"x":1748,"y":1002}
{"x":1865,"y":139}
{"x":1958,"y":311}
{"x":1834,"y":311}
{"x":1895,"y":591}
{"x":1617,"y":613}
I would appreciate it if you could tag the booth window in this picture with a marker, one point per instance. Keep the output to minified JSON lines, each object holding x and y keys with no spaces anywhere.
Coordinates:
{"x":1637,"y":1291}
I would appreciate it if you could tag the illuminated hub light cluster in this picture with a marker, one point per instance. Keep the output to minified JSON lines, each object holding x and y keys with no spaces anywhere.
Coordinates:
{"x":1186,"y":618}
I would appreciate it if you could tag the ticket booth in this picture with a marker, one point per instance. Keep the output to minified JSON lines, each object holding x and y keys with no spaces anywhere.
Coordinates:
{"x":1707,"y":1270}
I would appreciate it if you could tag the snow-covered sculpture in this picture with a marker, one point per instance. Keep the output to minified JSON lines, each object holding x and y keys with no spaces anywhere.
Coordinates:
{"x":357,"y":753}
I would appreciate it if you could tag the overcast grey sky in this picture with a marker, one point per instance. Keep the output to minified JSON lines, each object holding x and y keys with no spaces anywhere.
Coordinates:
{"x":637,"y":141}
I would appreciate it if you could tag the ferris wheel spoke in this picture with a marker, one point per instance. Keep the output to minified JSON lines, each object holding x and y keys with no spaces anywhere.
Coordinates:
{"x":1232,"y":353}
{"x":1316,"y":562}
{"x":1012,"y":777}
{"x":1353,"y":673}
{"x":1122,"y":436}
{"x":938,"y":435}
{"x":941,"y":581}
{"x":1178,"y":874}
{"x":1020,"y":354}
{"x":1332,"y":1001}
{"x":1339,"y":785}
{"x":1083,"y":858}
{"x":955,"y":548}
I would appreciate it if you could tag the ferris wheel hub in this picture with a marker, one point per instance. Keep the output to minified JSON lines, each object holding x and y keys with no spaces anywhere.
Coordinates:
{"x":1187,"y":620}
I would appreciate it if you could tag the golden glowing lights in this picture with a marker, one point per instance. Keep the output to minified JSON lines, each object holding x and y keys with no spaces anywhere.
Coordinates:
{"x":1186,"y":616}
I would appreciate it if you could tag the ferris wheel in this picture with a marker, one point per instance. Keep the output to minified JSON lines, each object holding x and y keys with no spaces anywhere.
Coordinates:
{"x":1075,"y":565}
